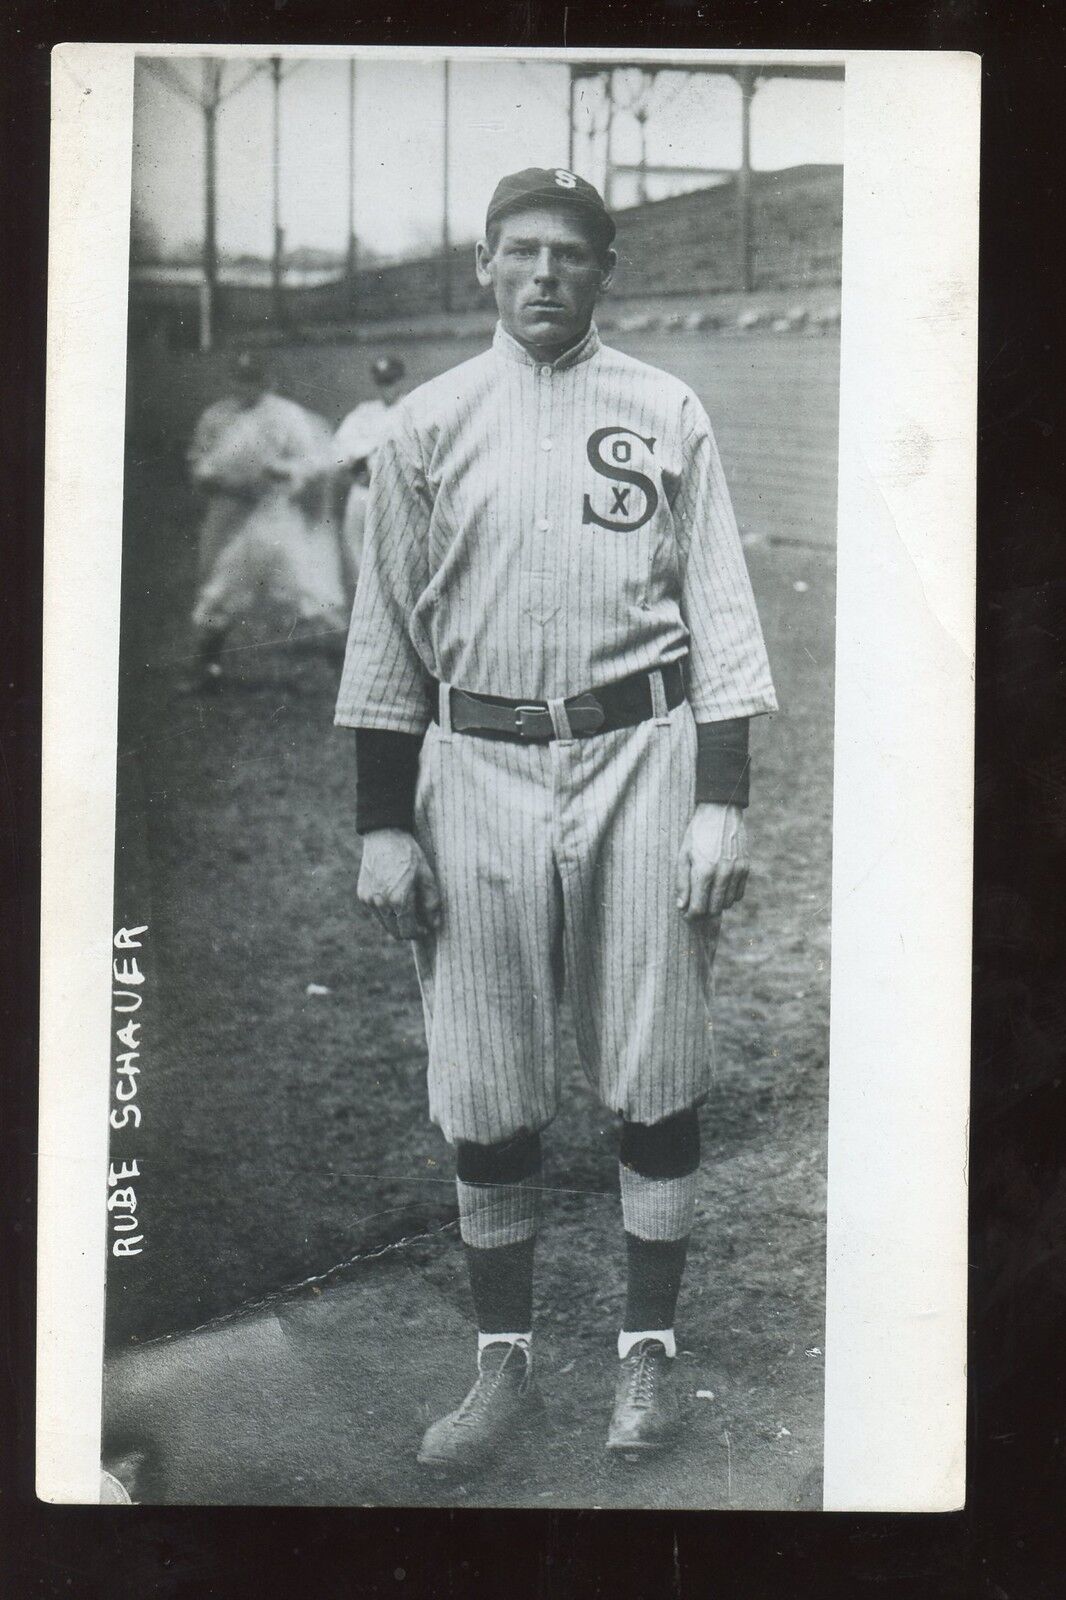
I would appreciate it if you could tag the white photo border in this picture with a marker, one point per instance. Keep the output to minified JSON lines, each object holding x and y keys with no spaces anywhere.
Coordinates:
{"x":903,"y":761}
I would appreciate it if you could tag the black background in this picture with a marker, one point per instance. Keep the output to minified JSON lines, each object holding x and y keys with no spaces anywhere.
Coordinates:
{"x":1008,"y":1543}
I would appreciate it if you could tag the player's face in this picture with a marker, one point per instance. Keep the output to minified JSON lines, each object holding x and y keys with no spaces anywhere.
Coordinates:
{"x":546,"y":273}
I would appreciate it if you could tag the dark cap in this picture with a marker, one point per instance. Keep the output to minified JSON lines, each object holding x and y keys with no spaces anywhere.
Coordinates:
{"x":550,"y":186}
{"x":387,"y":369}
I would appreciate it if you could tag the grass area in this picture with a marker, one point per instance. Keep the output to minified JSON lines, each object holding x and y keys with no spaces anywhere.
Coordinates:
{"x":284,"y":1129}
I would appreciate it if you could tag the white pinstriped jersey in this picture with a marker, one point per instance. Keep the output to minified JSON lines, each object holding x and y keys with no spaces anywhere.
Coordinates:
{"x":537,"y":530}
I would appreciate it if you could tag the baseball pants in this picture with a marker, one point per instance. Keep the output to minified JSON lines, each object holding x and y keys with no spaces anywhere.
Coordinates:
{"x":558,"y":861}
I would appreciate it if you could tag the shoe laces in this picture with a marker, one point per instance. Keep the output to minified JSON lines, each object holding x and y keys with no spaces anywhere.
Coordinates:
{"x":480,"y":1397}
{"x":642,"y":1363}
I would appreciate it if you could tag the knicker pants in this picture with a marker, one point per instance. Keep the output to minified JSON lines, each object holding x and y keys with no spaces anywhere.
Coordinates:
{"x":558,"y":862}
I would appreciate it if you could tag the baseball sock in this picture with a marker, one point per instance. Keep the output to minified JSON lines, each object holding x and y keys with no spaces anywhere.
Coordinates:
{"x":657,"y":1170}
{"x":499,"y":1207}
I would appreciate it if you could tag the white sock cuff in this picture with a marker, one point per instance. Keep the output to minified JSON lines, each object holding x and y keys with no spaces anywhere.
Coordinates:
{"x":665,"y":1336}
{"x":524,"y":1340}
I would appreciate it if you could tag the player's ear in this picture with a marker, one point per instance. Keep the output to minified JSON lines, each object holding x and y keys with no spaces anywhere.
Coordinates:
{"x":482,"y":258}
{"x":610,"y":261}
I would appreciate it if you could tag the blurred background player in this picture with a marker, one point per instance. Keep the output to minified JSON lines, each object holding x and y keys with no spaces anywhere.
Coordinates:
{"x":268,"y":544}
{"x":355,"y":443}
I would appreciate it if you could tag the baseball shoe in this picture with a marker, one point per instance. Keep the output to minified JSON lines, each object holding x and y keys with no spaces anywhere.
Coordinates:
{"x":646,"y":1413}
{"x":504,"y":1401}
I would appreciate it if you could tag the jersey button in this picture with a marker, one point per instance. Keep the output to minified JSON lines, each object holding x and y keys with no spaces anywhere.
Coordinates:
{"x":545,"y":444}
{"x":545,"y":372}
{"x":544,"y":526}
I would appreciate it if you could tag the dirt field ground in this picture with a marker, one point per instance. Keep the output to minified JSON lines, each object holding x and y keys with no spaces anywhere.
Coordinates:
{"x":284,"y":1125}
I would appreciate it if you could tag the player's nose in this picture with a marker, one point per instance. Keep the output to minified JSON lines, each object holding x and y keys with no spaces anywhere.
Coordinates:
{"x":545,"y":270}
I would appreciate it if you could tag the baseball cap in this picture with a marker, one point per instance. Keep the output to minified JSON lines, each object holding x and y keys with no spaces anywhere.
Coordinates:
{"x":537,"y":186}
{"x":387,"y":369}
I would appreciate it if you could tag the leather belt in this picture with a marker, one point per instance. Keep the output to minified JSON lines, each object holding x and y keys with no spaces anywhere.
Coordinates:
{"x":621,"y":704}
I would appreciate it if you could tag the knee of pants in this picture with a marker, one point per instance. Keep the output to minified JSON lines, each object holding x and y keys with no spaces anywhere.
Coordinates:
{"x":666,"y":1149}
{"x":507,"y":1162}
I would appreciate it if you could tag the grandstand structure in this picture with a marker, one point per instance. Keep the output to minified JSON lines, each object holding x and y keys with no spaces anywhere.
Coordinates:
{"x":735,"y":214}
{"x":747,"y":76}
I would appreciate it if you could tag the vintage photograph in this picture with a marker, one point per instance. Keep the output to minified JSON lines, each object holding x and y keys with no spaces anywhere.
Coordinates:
{"x":475,"y":761}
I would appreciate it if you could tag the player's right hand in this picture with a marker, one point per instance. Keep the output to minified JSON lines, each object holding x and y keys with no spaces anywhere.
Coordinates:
{"x":397,"y":883}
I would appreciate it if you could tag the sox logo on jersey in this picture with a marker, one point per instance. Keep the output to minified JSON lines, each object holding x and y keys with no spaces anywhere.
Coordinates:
{"x":622,"y":518}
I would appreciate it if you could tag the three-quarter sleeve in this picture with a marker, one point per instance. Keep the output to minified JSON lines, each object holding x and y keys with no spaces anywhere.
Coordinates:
{"x":728,"y":671}
{"x":385,"y":684}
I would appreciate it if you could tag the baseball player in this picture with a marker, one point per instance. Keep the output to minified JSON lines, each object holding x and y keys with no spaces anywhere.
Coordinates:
{"x":553,"y":656}
{"x":267,"y":541}
{"x":355,"y":444}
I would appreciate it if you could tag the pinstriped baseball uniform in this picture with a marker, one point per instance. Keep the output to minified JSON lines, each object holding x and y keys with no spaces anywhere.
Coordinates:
{"x":536,"y":530}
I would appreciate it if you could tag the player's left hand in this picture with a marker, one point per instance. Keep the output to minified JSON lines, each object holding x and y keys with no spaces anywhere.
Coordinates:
{"x":713,"y":864}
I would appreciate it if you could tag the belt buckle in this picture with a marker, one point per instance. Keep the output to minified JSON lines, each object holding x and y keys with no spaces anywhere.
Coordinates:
{"x":521,"y":713}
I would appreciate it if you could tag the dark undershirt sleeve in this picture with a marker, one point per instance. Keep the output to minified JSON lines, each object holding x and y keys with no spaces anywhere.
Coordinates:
{"x":386,"y":777}
{"x":723,"y":766}
{"x":387,"y":772}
